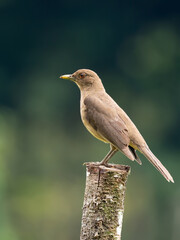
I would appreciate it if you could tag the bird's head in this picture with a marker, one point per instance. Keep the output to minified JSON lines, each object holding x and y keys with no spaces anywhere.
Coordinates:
{"x":85,"y":79}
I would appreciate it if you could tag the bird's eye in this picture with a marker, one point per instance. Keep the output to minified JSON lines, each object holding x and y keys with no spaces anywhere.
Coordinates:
{"x":82,"y":75}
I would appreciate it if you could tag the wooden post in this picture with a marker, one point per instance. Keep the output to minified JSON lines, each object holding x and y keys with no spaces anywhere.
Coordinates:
{"x":103,"y":206}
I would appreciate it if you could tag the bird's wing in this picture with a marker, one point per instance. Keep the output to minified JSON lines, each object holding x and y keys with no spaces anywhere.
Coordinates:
{"x":105,"y":120}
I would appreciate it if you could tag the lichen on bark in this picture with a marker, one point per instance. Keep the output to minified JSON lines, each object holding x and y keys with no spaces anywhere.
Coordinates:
{"x":104,"y":201}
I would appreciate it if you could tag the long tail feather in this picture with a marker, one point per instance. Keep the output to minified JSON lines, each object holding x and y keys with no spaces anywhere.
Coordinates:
{"x":157,"y":164}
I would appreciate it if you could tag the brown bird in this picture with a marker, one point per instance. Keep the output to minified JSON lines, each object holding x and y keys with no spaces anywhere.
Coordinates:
{"x":106,"y":121}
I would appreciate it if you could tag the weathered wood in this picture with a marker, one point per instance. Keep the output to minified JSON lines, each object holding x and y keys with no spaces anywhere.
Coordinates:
{"x":104,"y":201}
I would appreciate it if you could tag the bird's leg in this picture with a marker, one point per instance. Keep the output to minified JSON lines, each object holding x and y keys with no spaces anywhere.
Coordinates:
{"x":112,"y":151}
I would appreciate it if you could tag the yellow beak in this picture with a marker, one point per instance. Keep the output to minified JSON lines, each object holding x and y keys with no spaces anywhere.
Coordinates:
{"x":68,"y":77}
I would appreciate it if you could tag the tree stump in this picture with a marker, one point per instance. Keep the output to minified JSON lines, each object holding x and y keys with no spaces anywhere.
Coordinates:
{"x":103,"y":206}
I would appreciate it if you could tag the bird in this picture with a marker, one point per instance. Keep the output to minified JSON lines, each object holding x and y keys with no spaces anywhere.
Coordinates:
{"x":108,"y":122}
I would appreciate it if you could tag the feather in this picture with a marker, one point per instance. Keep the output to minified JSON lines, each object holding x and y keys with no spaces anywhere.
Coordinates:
{"x":157,"y":164}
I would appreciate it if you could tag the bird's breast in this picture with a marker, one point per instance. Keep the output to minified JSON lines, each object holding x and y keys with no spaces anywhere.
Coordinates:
{"x":89,"y":126}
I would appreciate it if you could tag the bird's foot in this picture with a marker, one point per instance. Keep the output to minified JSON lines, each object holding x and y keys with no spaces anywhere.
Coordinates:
{"x":103,"y":163}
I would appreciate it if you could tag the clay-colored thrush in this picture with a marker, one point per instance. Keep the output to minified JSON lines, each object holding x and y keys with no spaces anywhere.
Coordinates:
{"x":106,"y":121}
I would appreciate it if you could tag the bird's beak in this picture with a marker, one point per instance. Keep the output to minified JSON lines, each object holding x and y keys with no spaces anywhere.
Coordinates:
{"x":68,"y":77}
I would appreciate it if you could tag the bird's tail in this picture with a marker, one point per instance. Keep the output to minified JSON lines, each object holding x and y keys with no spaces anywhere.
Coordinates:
{"x":157,"y":164}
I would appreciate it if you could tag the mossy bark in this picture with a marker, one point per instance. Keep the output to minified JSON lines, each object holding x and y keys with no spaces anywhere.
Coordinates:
{"x":104,"y":201}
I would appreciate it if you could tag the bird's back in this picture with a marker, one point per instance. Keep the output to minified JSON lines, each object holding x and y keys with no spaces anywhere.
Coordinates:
{"x":112,"y":109}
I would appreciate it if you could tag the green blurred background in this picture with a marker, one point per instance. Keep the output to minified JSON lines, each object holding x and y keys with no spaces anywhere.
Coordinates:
{"x":135,"y":48}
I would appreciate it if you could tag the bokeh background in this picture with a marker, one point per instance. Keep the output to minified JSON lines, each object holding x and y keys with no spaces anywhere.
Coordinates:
{"x":135,"y":48}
